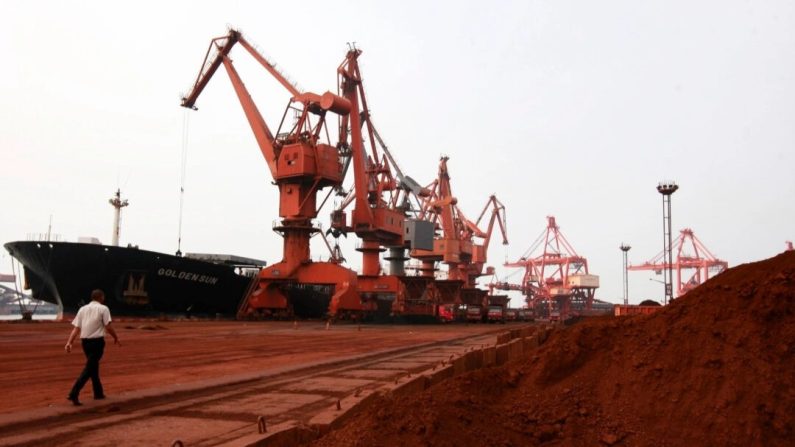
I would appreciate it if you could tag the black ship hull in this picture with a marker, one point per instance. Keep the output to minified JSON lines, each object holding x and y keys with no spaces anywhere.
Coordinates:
{"x":136,"y":282}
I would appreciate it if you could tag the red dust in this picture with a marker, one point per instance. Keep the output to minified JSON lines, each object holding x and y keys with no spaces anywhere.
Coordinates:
{"x":37,"y":373}
{"x":713,"y":368}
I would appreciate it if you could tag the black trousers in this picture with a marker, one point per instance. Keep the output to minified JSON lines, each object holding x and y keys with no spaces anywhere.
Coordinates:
{"x":93,"y":349}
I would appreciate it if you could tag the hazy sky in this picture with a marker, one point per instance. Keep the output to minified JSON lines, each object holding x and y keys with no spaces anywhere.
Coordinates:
{"x":572,"y":109}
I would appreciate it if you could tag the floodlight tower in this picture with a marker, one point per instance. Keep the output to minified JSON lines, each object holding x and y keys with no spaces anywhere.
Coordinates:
{"x":625,"y":248}
{"x":667,"y":188}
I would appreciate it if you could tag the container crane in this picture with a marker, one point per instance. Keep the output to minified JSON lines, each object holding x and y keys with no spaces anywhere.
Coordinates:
{"x":556,"y":281}
{"x":694,"y":263}
{"x":302,"y":164}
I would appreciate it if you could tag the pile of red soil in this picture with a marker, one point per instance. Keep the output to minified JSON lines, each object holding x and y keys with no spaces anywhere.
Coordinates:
{"x":716,"y":367}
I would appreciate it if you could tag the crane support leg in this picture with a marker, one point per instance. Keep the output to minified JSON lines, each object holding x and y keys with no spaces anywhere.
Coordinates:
{"x":267,"y":300}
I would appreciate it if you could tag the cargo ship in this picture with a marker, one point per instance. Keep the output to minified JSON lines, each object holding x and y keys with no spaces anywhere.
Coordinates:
{"x":136,"y":282}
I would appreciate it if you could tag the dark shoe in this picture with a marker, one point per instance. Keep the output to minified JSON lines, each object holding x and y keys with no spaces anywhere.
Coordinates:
{"x":74,"y":401}
{"x":99,"y":397}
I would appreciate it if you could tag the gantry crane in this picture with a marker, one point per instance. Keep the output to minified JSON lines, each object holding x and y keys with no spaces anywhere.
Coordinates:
{"x":302,"y":164}
{"x":556,"y":281}
{"x":380,"y":205}
{"x":455,"y":245}
{"x":480,"y":251}
{"x":694,"y":263}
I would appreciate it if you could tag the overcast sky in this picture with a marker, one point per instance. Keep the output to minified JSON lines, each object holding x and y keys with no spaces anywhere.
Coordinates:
{"x":572,"y":109}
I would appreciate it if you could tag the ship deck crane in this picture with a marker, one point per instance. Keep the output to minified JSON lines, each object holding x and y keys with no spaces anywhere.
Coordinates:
{"x":302,"y":164}
{"x":694,"y":263}
{"x":557,"y":278}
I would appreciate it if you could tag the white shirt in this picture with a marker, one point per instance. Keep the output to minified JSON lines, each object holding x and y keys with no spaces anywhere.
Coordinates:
{"x":92,"y":319}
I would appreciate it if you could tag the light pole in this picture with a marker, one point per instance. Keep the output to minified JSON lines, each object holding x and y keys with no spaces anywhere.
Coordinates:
{"x":667,"y":189}
{"x":625,"y":248}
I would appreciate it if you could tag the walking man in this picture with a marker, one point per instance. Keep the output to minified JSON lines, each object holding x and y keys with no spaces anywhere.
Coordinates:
{"x":90,"y":323}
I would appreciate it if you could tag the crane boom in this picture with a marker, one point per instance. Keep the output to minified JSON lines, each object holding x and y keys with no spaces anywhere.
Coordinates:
{"x":498,"y":215}
{"x":694,"y":263}
{"x":262,"y":133}
{"x":223,"y":46}
{"x":301,"y":163}
{"x":557,"y":277}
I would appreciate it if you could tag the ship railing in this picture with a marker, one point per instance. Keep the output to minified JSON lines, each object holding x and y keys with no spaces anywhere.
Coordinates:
{"x":44,"y":237}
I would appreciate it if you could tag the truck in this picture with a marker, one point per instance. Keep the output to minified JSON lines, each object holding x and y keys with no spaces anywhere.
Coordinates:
{"x":445,"y":314}
{"x":496,"y":314}
{"x":525,"y":315}
{"x":474,"y":314}
{"x":512,"y":315}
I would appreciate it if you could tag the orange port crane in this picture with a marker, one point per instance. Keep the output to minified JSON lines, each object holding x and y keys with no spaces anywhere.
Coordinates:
{"x":455,"y":244}
{"x":380,"y":204}
{"x":694,"y":263}
{"x":480,"y":251}
{"x":301,"y":164}
{"x":556,"y":281}
{"x":378,"y":217}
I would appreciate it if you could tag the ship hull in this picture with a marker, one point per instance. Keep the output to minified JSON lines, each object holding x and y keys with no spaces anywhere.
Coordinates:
{"x":136,"y":282}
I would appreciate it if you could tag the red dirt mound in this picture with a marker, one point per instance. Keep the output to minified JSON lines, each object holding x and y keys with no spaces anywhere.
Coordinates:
{"x":716,"y":367}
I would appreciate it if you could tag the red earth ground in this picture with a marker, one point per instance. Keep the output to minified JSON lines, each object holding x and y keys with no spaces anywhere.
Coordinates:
{"x":714,"y":368}
{"x":36,"y":372}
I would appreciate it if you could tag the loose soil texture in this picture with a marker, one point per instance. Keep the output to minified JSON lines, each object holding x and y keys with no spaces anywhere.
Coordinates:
{"x":715,"y":367}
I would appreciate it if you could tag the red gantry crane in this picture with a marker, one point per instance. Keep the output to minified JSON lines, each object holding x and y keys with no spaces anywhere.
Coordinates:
{"x":380,"y":208}
{"x":694,"y":263}
{"x":302,"y":164}
{"x":455,"y":245}
{"x":556,"y":282}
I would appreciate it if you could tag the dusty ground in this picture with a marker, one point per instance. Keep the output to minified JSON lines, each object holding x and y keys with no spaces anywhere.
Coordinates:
{"x":713,"y":368}
{"x":36,"y":372}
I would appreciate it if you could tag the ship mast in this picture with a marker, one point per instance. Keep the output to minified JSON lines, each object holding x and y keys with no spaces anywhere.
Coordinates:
{"x":118,"y":204}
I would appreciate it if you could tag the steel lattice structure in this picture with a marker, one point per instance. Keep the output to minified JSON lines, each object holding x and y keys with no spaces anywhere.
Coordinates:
{"x":694,"y":263}
{"x":556,"y":278}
